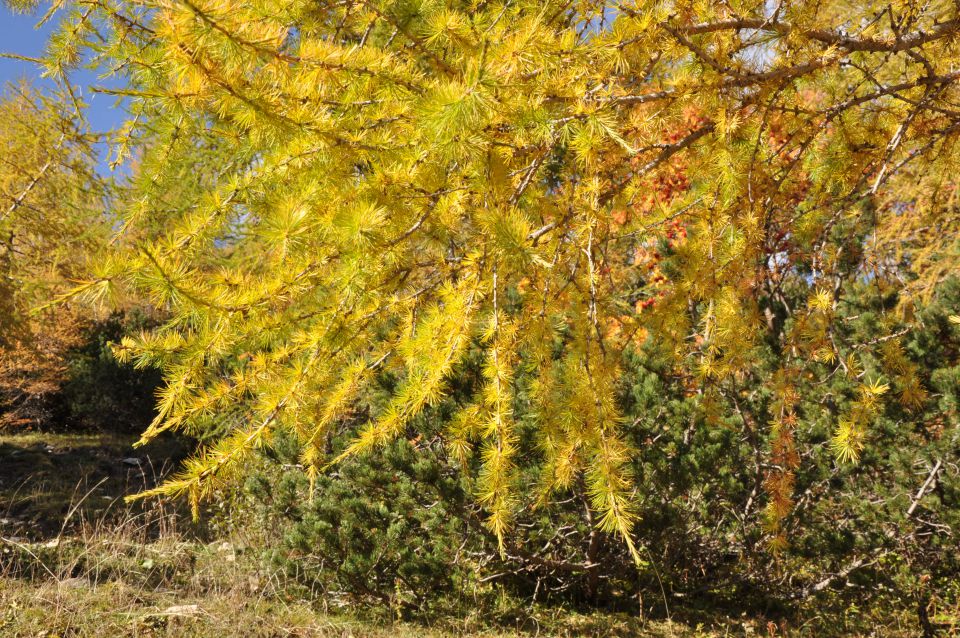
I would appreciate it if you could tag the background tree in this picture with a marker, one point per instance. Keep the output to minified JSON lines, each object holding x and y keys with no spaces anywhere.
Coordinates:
{"x":53,"y":219}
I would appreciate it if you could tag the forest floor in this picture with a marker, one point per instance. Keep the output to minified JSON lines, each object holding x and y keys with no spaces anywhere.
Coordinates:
{"x":75,"y":560}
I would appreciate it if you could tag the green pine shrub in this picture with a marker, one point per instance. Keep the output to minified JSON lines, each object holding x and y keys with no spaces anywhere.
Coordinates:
{"x":399,"y":528}
{"x":99,"y":392}
{"x":385,"y":531}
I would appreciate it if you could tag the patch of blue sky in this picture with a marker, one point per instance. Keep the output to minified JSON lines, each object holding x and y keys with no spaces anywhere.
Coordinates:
{"x":21,"y":36}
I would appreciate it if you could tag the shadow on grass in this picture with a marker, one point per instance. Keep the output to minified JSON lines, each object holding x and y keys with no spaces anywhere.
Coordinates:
{"x":50,"y":482}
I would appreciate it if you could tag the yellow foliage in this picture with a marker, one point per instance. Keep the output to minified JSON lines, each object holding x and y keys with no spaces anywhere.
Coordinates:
{"x":401,"y":184}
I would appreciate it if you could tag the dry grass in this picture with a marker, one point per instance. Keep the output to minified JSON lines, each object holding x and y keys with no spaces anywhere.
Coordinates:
{"x":116,"y":610}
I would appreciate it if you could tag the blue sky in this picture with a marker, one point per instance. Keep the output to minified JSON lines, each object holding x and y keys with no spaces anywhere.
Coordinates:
{"x":18,"y":35}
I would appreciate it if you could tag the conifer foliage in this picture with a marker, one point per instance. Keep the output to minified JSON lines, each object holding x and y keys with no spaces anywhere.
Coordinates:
{"x":52,"y":218}
{"x":403,"y":185}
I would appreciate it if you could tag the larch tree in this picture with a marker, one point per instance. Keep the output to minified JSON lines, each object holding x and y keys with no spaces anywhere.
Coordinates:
{"x":52,"y":220}
{"x":403,"y":185}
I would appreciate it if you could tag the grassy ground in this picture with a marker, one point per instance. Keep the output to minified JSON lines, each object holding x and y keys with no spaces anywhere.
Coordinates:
{"x":50,"y":482}
{"x":116,"y":610}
